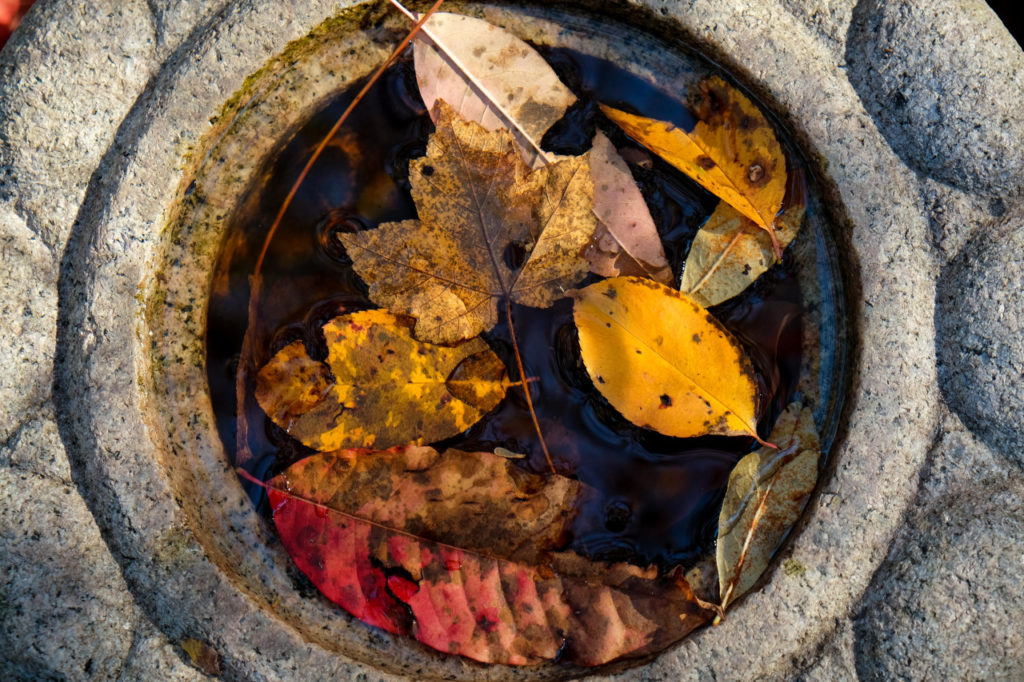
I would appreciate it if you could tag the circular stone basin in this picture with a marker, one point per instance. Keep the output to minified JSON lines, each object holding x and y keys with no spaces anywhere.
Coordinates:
{"x":198,"y":558}
{"x":655,"y":499}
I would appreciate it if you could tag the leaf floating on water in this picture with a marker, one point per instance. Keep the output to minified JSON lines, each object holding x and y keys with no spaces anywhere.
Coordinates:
{"x":429,"y":556}
{"x":478,"y":501}
{"x":489,"y":227}
{"x":732,"y":151}
{"x":626,"y":241}
{"x":730,"y":252}
{"x":491,"y":77}
{"x":767,"y":491}
{"x":663,"y":361}
{"x":379,"y":387}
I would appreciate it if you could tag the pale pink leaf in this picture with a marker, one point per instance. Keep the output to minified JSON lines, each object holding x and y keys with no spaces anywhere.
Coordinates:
{"x":491,"y":77}
{"x":626,"y":241}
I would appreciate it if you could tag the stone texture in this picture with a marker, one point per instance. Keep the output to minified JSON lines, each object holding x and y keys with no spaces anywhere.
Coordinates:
{"x":36,"y":447}
{"x":837,"y":661}
{"x":936,"y":81}
{"x":954,"y":216}
{"x":943,"y":81}
{"x":980,"y":322}
{"x":829,"y":19}
{"x":946,"y":605}
{"x":64,"y":608}
{"x":153,"y":657}
{"x":28,"y":320}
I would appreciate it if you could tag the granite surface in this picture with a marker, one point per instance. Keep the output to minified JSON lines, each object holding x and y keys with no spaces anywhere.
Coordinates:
{"x":913,"y":548}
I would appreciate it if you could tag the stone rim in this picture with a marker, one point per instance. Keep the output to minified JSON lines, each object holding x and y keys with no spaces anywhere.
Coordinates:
{"x":114,"y":252}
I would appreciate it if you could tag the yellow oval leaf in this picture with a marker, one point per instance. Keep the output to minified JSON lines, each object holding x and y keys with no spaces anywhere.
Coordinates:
{"x":767,"y":492}
{"x":663,"y":361}
{"x":732,"y":151}
{"x":380,"y":387}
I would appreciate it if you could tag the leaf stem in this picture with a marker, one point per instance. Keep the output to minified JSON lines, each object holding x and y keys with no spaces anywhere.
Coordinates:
{"x":526,"y":389}
{"x":337,"y":126}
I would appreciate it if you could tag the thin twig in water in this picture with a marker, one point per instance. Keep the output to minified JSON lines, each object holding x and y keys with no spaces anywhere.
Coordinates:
{"x":246,"y":355}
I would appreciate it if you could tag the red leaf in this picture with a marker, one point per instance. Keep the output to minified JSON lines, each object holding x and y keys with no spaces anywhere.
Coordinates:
{"x":461,"y":600}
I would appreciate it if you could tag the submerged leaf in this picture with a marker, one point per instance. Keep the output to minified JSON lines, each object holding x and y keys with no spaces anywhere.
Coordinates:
{"x":732,"y":151}
{"x":490,"y":76}
{"x":379,"y":387}
{"x":730,"y":251}
{"x":663,"y":361}
{"x":626,"y":241}
{"x":415,"y":543}
{"x":767,"y":492}
{"x":489,"y":227}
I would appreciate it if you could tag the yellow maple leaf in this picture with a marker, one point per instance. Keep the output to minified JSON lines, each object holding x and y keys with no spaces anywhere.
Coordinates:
{"x":379,"y":387}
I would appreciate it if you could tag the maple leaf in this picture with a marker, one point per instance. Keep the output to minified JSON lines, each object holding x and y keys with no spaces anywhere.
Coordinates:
{"x":730,"y":252}
{"x":732,"y":151}
{"x":499,"y":81}
{"x":767,"y":491}
{"x":379,"y":386}
{"x":482,"y":211}
{"x":663,"y":361}
{"x":454,"y":549}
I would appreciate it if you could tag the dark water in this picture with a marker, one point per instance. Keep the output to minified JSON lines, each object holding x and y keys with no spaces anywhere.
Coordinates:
{"x":657,"y":497}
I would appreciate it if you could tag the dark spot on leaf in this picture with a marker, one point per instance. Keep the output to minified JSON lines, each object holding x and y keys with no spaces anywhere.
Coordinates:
{"x":427,"y":170}
{"x":705,"y":162}
{"x":696,"y":338}
{"x":600,"y":380}
{"x":611,"y":293}
{"x":666,"y":400}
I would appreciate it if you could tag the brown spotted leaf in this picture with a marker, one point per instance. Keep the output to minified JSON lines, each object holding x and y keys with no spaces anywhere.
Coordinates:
{"x":452,"y":549}
{"x":767,"y":492}
{"x":379,"y":387}
{"x":489,"y":228}
{"x":732,"y":151}
{"x":626,"y":241}
{"x":491,"y":77}
{"x":730,"y":251}
{"x":663,"y":361}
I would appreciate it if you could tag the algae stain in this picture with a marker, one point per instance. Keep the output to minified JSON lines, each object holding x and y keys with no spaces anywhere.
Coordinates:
{"x":793,"y":568}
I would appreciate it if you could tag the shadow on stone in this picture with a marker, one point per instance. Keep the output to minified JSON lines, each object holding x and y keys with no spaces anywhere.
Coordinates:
{"x":979,"y":323}
{"x":943,"y":84}
{"x":943,"y":605}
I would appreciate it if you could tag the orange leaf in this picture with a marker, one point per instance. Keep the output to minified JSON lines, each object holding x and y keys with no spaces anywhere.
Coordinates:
{"x":732,"y":151}
{"x":663,"y":361}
